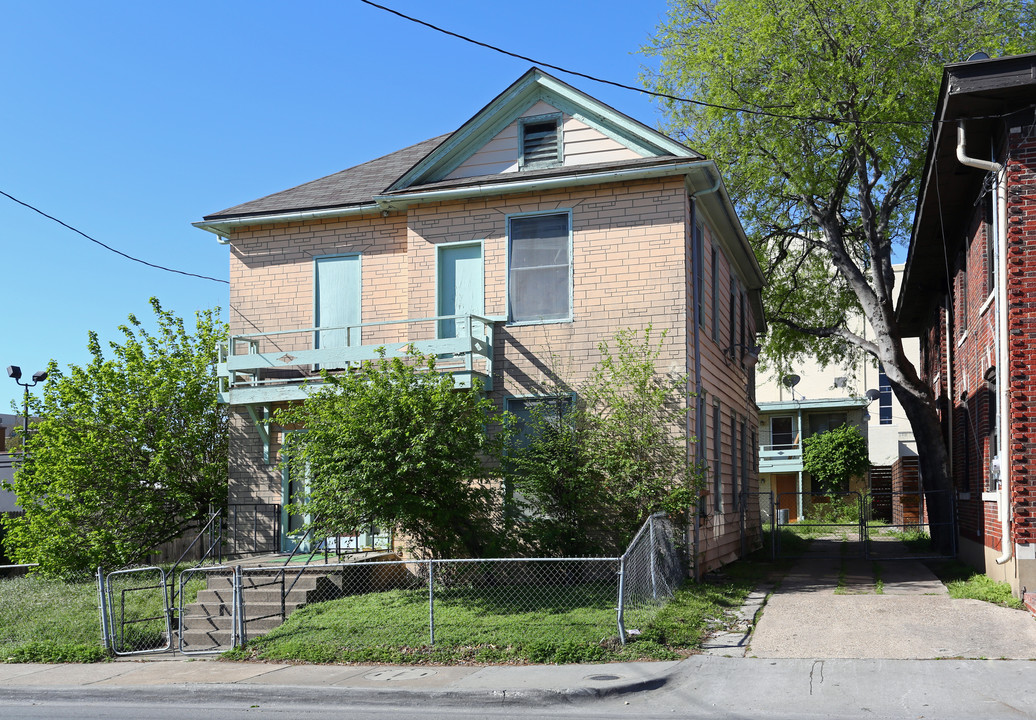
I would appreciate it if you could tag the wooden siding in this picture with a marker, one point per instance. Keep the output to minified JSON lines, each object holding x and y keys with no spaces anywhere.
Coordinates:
{"x":582,"y":145}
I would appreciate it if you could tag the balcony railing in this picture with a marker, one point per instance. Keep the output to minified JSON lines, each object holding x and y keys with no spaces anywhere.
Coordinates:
{"x":262,"y":368}
{"x":780,"y":457}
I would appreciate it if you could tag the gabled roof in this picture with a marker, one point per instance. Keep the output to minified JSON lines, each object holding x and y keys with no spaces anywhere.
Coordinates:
{"x":532,"y":87}
{"x":426,"y":164}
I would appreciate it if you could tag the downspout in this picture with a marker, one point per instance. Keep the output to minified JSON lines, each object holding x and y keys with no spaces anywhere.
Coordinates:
{"x":949,"y":383}
{"x":1002,"y":375}
{"x":699,"y":400}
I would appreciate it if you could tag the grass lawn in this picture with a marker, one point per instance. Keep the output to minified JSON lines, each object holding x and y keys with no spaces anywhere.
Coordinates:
{"x":512,"y":624}
{"x":49,"y":620}
{"x":963,"y":581}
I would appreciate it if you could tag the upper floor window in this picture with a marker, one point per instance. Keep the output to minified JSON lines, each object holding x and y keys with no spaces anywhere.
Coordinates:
{"x":782,"y":431}
{"x":539,"y":142}
{"x":989,"y":244}
{"x":715,"y":294}
{"x":539,"y":281}
{"x":885,"y":398}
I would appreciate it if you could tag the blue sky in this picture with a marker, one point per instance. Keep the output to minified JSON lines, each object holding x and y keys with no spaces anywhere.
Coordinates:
{"x":131,"y":120}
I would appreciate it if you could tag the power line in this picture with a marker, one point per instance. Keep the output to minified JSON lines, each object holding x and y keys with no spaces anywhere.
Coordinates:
{"x":109,"y":247}
{"x":666,"y":96}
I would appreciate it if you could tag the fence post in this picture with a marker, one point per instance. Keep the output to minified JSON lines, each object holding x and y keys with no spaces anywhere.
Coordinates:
{"x":774,"y":529}
{"x":431,"y":602}
{"x":237,"y":635}
{"x":622,"y":600}
{"x":654,"y":581}
{"x":103,"y":608}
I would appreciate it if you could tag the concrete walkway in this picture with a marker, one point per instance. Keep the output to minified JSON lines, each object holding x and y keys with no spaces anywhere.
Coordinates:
{"x":853,"y":608}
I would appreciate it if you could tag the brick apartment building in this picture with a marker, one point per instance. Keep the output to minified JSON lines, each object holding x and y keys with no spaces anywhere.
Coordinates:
{"x":969,"y":295}
{"x":510,"y":248}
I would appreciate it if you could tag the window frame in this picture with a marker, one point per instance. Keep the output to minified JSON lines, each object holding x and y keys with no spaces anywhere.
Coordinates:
{"x":571,"y":269}
{"x":559,"y":159}
{"x":717,"y":452}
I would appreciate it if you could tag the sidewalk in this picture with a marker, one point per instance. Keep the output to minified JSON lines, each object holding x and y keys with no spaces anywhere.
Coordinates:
{"x":539,"y":684}
{"x":702,"y":686}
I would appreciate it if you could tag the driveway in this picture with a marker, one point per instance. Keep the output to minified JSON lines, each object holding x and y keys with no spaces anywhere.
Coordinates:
{"x":831,"y":608}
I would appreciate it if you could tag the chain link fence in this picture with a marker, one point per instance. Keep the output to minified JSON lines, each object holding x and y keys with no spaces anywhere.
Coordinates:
{"x":415,"y":603}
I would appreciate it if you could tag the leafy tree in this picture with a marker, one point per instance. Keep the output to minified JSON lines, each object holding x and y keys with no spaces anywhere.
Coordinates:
{"x":834,"y":457}
{"x":590,"y":471}
{"x":818,"y":112}
{"x":391,"y":443}
{"x":131,"y":449}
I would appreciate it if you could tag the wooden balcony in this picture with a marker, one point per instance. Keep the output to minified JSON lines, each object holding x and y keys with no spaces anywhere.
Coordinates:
{"x":780,"y":458}
{"x":282,"y":366}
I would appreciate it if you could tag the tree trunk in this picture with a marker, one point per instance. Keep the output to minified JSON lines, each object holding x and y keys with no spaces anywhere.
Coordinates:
{"x":933,"y":463}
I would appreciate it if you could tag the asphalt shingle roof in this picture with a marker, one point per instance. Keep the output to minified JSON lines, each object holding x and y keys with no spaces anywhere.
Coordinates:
{"x":353,"y":186}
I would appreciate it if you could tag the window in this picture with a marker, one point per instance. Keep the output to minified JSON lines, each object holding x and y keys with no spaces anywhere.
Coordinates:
{"x":989,"y":246}
{"x":539,"y":268}
{"x":885,"y":398}
{"x":992,"y":479}
{"x":733,"y":462}
{"x":823,"y":422}
{"x":548,"y":409}
{"x":733,"y":318}
{"x":539,"y":142}
{"x":717,"y":458}
{"x":782,"y":432}
{"x":744,"y":465}
{"x":699,"y":253}
{"x":741,"y":324}
{"x":715,"y":295}
{"x":963,"y":301}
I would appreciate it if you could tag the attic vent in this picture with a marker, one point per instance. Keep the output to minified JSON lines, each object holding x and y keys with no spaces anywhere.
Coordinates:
{"x":540,"y":139}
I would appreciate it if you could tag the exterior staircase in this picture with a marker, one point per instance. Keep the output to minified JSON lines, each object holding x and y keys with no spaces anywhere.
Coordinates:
{"x":208,"y":621}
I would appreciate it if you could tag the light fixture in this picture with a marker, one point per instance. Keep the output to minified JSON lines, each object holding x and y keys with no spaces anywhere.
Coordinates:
{"x":13,"y":371}
{"x":751,"y":353}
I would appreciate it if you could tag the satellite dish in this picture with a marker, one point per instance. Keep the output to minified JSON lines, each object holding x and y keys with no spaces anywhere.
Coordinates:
{"x":790,"y":381}
{"x":873,"y":394}
{"x":977,"y":56}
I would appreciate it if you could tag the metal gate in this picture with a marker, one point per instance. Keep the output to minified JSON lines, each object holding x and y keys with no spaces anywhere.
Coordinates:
{"x":135,"y":617}
{"x":832,"y":524}
{"x":886,"y":525}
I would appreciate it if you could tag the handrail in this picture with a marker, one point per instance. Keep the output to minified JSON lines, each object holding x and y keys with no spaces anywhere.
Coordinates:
{"x":296,"y":331}
{"x":216,"y":542}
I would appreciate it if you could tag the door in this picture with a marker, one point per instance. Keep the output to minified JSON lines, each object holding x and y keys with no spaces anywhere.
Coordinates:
{"x":337,"y":300}
{"x":461,"y":288}
{"x":294,"y":487}
{"x":785,"y":489}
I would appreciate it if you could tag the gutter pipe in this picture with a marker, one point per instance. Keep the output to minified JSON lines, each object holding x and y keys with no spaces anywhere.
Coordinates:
{"x":1000,"y":231}
{"x":400,"y":201}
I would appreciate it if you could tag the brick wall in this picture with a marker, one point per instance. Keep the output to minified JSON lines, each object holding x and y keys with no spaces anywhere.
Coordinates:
{"x":1021,"y":295}
{"x":631,"y":268}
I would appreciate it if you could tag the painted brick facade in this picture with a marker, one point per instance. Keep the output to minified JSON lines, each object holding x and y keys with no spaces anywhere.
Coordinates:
{"x":630,"y":247}
{"x":633,"y":241}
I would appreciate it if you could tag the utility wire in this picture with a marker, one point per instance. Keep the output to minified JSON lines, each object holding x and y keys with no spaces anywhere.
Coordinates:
{"x":666,"y":96}
{"x":109,"y":247}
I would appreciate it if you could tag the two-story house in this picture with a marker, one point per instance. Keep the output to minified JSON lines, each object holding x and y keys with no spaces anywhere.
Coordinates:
{"x":509,"y":248}
{"x":810,"y":399}
{"x":967,"y":293}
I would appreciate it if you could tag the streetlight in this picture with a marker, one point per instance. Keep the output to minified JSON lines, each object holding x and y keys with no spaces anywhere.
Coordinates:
{"x":37,"y":377}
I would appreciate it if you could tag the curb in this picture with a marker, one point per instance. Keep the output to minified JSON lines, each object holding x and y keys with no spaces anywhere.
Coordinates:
{"x":306,"y":695}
